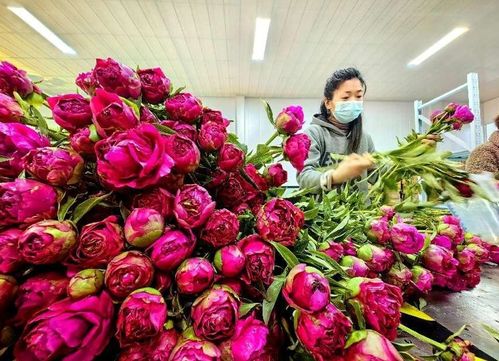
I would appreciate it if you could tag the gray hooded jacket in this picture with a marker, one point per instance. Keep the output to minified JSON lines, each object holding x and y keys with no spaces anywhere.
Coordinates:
{"x":327,"y":139}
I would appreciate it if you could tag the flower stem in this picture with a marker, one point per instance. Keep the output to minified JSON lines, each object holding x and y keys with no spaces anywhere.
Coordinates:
{"x":422,"y":338}
{"x":272,"y":137}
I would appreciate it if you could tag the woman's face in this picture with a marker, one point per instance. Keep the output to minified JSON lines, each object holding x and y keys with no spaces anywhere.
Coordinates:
{"x":348,"y":90}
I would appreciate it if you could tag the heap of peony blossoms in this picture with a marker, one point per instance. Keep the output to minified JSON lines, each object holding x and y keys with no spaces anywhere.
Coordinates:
{"x":142,"y":230}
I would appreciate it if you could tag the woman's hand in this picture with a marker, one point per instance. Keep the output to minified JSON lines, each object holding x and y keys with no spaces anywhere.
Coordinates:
{"x":431,"y":140}
{"x":352,"y":167}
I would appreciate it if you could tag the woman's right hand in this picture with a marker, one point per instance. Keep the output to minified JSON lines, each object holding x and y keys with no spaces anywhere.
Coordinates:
{"x":352,"y":167}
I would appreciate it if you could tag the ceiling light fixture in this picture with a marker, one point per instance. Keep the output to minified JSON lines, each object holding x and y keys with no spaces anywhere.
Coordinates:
{"x":37,"y":25}
{"x":260,"y":42}
{"x":447,"y":39}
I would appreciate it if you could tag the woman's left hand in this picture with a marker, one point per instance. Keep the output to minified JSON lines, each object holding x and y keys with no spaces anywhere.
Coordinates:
{"x":431,"y":140}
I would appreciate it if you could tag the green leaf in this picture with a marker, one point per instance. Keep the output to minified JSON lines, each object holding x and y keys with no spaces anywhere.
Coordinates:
{"x":493,"y":332}
{"x":164,"y":129}
{"x":286,"y":254}
{"x":232,"y":138}
{"x":4,"y":159}
{"x":456,"y":334}
{"x":407,"y":356}
{"x":177,"y":91}
{"x":64,"y":208}
{"x":268,"y":110}
{"x":331,"y":262}
{"x":22,"y":175}
{"x":247,"y":307}
{"x":355,"y":336}
{"x":22,"y":103}
{"x":85,"y":206}
{"x":35,"y":100}
{"x":40,"y":120}
{"x":133,"y":105}
{"x":311,"y":213}
{"x":358,"y":313}
{"x":414,"y":312}
{"x":340,"y":226}
{"x":403,"y":346}
{"x":273,"y":293}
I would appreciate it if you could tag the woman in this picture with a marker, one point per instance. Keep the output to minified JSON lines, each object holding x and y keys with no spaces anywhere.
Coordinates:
{"x":485,"y":158}
{"x":338,"y":129}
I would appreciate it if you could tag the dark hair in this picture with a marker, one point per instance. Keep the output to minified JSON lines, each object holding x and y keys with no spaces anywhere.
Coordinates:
{"x":333,"y":83}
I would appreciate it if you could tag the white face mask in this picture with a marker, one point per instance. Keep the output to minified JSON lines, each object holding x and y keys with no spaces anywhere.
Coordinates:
{"x":347,"y":111}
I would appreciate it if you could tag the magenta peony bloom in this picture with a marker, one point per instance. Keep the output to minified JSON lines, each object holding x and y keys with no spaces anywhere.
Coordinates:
{"x":442,"y":241}
{"x":332,"y":249}
{"x":230,"y":158}
{"x":68,"y":330}
{"x":323,"y":333}
{"x":70,"y":111}
{"x":280,"y":221}
{"x":355,"y":267}
{"x":194,"y":275}
{"x":117,"y":78}
{"x":185,"y":130}
{"x":171,"y":249}
{"x":399,"y":275}
{"x":463,"y":114}
{"x":377,"y":259}
{"x":306,"y":289}
{"x":47,"y":242}
{"x":257,"y":178}
{"x":98,"y":244}
{"x":85,"y":283}
{"x":16,"y":140}
{"x":127,"y":272}
{"x":146,"y":116}
{"x":13,"y":80}
{"x":380,"y":303}
{"x":233,"y":283}
{"x":372,"y":347}
{"x":214,"y":116}
{"x":8,"y":290}
{"x":467,"y":259}
{"x":275,"y":175}
{"x":494,"y":254}
{"x":37,"y":293}
{"x":221,"y":228}
{"x":26,"y":201}
{"x":159,"y":348}
{"x":233,"y":190}
{"x":198,"y":350}
{"x":349,"y":248}
{"x":111,"y":114}
{"x":141,"y":316}
{"x":143,"y":226}
{"x":212,"y":136}
{"x":379,"y":231}
{"x":10,"y":111}
{"x":250,"y":342}
{"x":440,"y":260}
{"x":155,"y":85}
{"x":214,"y":314}
{"x":481,"y":253}
{"x":260,"y":260}
{"x":184,"y":107}
{"x":135,"y":158}
{"x":193,"y":206}
{"x":87,"y":82}
{"x":406,"y":238}
{"x":451,"y":227}
{"x":158,"y":199}
{"x":388,"y":212}
{"x":162,"y":281}
{"x":184,"y":153}
{"x":422,"y":279}
{"x":229,"y":261}
{"x":55,"y":166}
{"x":10,"y":258}
{"x":296,"y":149}
{"x":290,"y":120}
{"x":82,"y":142}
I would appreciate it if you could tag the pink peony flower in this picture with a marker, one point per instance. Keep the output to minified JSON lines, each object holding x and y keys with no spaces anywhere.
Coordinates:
{"x":275,"y":175}
{"x":399,"y":275}
{"x":467,"y":260}
{"x":332,"y":249}
{"x":16,"y":140}
{"x":135,"y":158}
{"x":193,"y":206}
{"x":111,"y":114}
{"x":82,"y":142}
{"x":155,"y":85}
{"x":194,"y":275}
{"x":463,"y":114}
{"x":146,"y":116}
{"x":158,"y":199}
{"x":10,"y":258}
{"x":47,"y":242}
{"x":85,"y":283}
{"x":214,"y":314}
{"x":258,"y":179}
{"x":184,"y":107}
{"x":481,"y":253}
{"x":128,"y":272}
{"x":184,"y":153}
{"x":296,"y":149}
{"x":379,"y":231}
{"x":70,"y":111}
{"x":10,"y":111}
{"x":221,"y":228}
{"x":143,"y":226}
{"x":212,"y":136}
{"x":323,"y":333}
{"x":377,"y":259}
{"x":117,"y":78}
{"x":229,"y":261}
{"x":230,"y":158}
{"x":372,"y":346}
{"x":355,"y":267}
{"x":162,"y":281}
{"x":215,"y":116}
{"x":87,"y":82}
{"x":171,"y":249}
{"x":442,"y":241}
{"x":159,"y":348}
{"x":183,"y":129}
{"x":290,"y":120}
{"x":422,"y":279}
{"x":198,"y":350}
{"x":380,"y":303}
{"x":260,"y":260}
{"x":440,"y":260}
{"x":280,"y":221}
{"x":306,"y":289}
{"x":69,"y":330}
{"x":141,"y":316}
{"x":234,"y":191}
{"x":388,"y":212}
{"x":406,"y":238}
{"x":13,"y":80}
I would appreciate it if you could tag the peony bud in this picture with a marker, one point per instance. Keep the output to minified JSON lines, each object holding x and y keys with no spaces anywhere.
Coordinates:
{"x":193,"y":206}
{"x":117,"y":78}
{"x":87,"y":82}
{"x":399,"y":275}
{"x":184,"y":107}
{"x":440,"y":260}
{"x":158,"y":199}
{"x":86,"y":282}
{"x":10,"y":111}
{"x":212,"y":136}
{"x":70,"y":111}
{"x":155,"y":85}
{"x":10,"y":258}
{"x":13,"y":80}
{"x":143,"y":226}
{"x":332,"y":249}
{"x":372,"y":346}
{"x":296,"y":149}
{"x":260,"y":260}
{"x":221,"y":228}
{"x":290,"y":119}
{"x":171,"y":249}
{"x":442,"y":241}
{"x":8,"y":290}
{"x":230,"y":158}
{"x":422,"y":279}
{"x":378,"y":231}
{"x":377,"y":259}
{"x":184,"y":152}
{"x":194,"y":275}
{"x":188,"y":349}
{"x":355,"y":267}
{"x":275,"y":175}
{"x":229,"y":261}
{"x":406,"y":238}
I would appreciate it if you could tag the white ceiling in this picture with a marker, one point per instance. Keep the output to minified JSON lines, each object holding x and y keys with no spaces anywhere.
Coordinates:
{"x":207,"y":44}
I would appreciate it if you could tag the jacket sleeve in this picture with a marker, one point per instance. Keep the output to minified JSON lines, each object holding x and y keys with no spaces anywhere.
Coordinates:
{"x":482,"y":159}
{"x":310,"y":177}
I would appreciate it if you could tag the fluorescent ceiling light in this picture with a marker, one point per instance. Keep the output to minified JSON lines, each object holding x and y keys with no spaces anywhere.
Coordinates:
{"x":261,"y":32}
{"x":37,"y":25}
{"x":454,"y":34}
